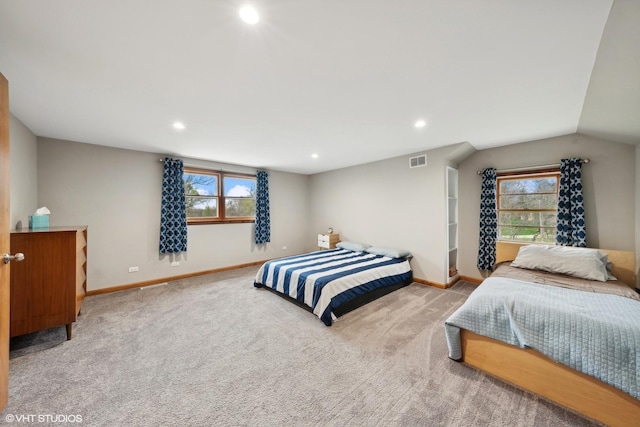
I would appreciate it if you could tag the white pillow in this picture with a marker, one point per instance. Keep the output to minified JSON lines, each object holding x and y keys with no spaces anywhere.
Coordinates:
{"x":352,"y":246}
{"x":389,"y":252}
{"x":585,"y":263}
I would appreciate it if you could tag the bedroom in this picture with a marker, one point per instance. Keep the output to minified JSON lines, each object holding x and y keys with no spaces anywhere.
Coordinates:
{"x":92,"y":184}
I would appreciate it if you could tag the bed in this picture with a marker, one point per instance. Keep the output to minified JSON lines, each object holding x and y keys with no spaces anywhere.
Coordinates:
{"x":330,"y":283}
{"x":578,"y":348}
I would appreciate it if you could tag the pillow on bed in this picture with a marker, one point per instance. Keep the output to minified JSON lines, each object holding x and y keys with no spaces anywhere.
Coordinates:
{"x":609,"y":265}
{"x":585,"y":263}
{"x":389,"y":252}
{"x":352,"y":246}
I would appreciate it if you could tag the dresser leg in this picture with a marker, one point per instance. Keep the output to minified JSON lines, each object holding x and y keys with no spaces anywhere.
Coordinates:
{"x":69,"y":329}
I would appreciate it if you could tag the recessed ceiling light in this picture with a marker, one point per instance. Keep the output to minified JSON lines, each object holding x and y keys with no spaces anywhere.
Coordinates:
{"x":420,"y":124}
{"x":249,"y":15}
{"x":314,"y":155}
{"x":178,"y":125}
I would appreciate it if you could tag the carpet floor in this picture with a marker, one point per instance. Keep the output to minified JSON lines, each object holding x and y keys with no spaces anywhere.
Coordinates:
{"x":215,"y":351}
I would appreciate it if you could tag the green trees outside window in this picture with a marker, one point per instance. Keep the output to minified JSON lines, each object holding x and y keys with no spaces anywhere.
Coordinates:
{"x":213,"y":196}
{"x":527,"y":207}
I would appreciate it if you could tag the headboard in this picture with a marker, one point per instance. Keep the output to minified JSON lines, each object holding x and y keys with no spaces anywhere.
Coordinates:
{"x":623,"y":262}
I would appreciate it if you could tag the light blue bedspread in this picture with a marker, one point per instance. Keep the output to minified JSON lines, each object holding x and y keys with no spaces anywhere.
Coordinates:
{"x":596,"y":334}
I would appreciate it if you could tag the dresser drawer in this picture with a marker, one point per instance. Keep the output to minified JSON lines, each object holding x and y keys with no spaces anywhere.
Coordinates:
{"x":323,"y":241}
{"x":328,"y":241}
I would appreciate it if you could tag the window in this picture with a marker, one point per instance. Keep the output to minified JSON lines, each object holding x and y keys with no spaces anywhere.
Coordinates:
{"x":219,"y":197}
{"x":528,"y":206}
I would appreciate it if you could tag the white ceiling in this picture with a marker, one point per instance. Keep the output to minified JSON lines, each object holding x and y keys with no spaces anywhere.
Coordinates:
{"x":345,"y":79}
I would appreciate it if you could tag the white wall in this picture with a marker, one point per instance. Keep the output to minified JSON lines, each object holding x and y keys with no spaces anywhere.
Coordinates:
{"x":609,"y":188}
{"x":23,"y":175}
{"x":387,"y":204}
{"x":117,"y":193}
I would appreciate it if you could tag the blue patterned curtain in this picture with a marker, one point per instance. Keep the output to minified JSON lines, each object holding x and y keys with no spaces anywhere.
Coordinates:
{"x":571,"y":228}
{"x":488,"y":221}
{"x":263,"y":220}
{"x":173,"y":217}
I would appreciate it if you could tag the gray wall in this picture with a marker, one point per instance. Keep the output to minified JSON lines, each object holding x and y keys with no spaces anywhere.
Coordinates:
{"x":612,"y":102}
{"x":637,"y":216}
{"x":24,"y":173}
{"x":386,"y":203}
{"x":116,"y":193}
{"x":609,"y":189}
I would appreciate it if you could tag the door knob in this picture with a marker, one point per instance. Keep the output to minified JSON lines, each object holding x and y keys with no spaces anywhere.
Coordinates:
{"x":17,"y":257}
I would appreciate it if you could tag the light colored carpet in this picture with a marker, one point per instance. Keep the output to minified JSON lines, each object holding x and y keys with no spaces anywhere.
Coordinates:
{"x":215,"y":351}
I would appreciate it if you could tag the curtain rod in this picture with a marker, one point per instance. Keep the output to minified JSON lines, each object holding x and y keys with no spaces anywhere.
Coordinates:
{"x":192,"y":165}
{"x":189,"y":165}
{"x":531,"y":168}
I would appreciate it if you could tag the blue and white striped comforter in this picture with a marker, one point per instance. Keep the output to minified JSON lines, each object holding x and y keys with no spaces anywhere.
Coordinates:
{"x":324,"y":280}
{"x":597,"y":334}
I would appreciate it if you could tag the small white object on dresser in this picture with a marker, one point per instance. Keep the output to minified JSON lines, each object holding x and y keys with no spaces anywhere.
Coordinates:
{"x":328,"y":241}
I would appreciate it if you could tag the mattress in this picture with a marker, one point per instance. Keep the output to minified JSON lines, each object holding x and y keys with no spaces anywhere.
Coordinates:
{"x":325,"y":280}
{"x":594,"y":333}
{"x":614,"y":287}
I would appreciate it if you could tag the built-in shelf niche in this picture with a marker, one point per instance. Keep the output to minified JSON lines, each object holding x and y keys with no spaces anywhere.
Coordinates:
{"x":452,"y":226}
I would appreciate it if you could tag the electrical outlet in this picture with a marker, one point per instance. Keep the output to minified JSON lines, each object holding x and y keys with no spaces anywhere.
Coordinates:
{"x":134,"y":269}
{"x":284,"y":248}
{"x":175,"y":263}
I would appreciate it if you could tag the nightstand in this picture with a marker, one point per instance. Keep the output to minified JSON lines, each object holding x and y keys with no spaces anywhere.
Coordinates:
{"x":328,"y":241}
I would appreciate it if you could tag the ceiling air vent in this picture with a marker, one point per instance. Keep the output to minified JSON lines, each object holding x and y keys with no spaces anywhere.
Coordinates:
{"x":418,"y":161}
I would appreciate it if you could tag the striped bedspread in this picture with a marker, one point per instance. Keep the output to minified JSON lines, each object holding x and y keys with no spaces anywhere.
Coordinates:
{"x":324,"y":280}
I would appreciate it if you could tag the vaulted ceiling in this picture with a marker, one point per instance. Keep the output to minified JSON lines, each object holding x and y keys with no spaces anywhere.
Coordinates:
{"x":344,"y":80}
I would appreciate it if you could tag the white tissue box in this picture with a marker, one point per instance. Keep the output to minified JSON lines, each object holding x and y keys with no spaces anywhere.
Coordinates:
{"x":38,"y":221}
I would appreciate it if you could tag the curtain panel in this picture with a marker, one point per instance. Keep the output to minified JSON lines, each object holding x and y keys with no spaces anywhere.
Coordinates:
{"x":571,"y":229}
{"x":173,"y":213}
{"x":488,"y":220}
{"x":263,"y":219}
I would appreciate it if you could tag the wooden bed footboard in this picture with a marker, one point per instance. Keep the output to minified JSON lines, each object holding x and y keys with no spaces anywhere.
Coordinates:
{"x":532,"y":371}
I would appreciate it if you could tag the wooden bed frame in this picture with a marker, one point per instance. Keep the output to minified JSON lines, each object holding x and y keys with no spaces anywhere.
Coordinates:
{"x":532,"y":371}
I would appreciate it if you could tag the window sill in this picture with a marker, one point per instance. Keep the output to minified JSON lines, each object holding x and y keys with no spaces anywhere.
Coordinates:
{"x":220,"y":221}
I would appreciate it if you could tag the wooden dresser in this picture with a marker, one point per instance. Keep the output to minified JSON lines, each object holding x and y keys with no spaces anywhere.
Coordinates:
{"x":48,"y":287}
